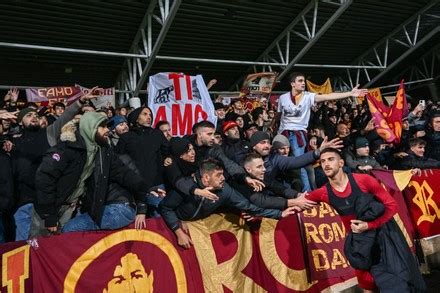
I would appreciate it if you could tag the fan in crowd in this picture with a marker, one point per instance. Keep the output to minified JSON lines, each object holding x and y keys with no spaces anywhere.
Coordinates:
{"x":78,"y":168}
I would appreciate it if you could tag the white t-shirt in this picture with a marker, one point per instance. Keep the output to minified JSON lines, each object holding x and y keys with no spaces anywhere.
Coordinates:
{"x":295,"y":117}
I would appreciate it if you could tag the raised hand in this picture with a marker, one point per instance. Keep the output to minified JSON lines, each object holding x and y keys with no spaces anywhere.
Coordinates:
{"x":335,"y":143}
{"x":94,"y":93}
{"x":12,"y":116}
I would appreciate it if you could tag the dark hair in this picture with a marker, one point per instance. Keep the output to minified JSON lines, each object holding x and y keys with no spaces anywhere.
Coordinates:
{"x":331,"y":150}
{"x":202,"y":124}
{"x":416,"y":141}
{"x":160,"y":123}
{"x":435,"y":115}
{"x":257,"y":112}
{"x":294,"y":75}
{"x":319,"y":126}
{"x":250,"y":157}
{"x":209,"y":165}
{"x":59,"y":104}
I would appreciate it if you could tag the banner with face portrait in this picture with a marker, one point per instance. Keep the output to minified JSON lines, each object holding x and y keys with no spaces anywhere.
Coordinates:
{"x":228,"y":255}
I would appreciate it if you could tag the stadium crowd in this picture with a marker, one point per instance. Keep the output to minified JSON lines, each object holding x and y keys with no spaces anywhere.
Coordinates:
{"x":78,"y":168}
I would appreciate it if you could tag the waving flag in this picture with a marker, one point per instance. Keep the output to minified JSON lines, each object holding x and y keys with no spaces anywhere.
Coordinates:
{"x":389,"y":120}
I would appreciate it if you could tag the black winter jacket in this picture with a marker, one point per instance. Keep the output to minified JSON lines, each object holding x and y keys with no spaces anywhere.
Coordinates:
{"x":216,"y":152}
{"x":6,"y":182}
{"x":62,"y":166}
{"x":412,"y":161}
{"x":276,"y":164}
{"x":176,"y":206}
{"x":360,"y":247}
{"x":118,"y":193}
{"x":433,"y":146}
{"x":235,"y":150}
{"x":28,"y":151}
{"x":148,"y":148}
{"x":273,"y":196}
{"x":383,"y":251}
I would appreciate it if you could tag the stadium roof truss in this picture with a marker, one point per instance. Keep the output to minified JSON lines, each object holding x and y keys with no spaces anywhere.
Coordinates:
{"x":391,"y":50}
{"x":200,"y":32}
{"x":136,"y":70}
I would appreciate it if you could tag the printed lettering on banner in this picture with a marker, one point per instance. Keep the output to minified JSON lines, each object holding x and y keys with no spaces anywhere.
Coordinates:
{"x":180,"y":99}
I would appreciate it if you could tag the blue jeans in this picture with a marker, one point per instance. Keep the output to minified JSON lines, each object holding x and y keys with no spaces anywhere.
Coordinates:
{"x":115,"y":216}
{"x":298,"y":151}
{"x":153,"y":204}
{"x":23,"y":219}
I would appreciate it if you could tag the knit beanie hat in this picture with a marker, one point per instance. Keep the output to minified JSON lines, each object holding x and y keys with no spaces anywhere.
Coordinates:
{"x":23,"y":113}
{"x":115,"y":121}
{"x":257,"y":137}
{"x":133,"y":116}
{"x":280,"y":141}
{"x":361,"y":142}
{"x":179,"y":146}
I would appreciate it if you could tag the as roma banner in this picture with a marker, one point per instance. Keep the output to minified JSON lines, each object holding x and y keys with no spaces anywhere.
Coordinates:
{"x":67,"y":95}
{"x":423,"y":201}
{"x":51,"y":95}
{"x":180,"y":99}
{"x":227,"y":256}
{"x":325,"y":237}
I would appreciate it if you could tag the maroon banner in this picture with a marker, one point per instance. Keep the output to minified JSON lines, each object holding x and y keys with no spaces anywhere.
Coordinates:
{"x":228,"y":256}
{"x":394,"y":181}
{"x":423,"y":200}
{"x":16,"y":274}
{"x":325,"y":237}
{"x":51,"y":95}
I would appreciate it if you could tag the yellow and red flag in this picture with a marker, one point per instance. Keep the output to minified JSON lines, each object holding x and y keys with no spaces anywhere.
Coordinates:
{"x":389,"y":120}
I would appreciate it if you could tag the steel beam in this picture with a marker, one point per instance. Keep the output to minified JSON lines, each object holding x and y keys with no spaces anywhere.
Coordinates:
{"x":316,"y":37}
{"x":71,"y":50}
{"x":423,"y":70}
{"x":299,"y":27}
{"x":145,"y":48}
{"x":403,"y":56}
{"x":169,"y":14}
{"x":388,"y":51}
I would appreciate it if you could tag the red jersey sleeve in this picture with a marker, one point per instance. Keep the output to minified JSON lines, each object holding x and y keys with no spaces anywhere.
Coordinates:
{"x":318,"y":195}
{"x":370,"y":185}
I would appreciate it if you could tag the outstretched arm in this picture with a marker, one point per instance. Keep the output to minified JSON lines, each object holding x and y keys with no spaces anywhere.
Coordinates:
{"x":355,"y":92}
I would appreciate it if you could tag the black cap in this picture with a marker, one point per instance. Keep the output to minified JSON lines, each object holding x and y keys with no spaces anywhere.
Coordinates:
{"x":258,"y":137}
{"x":249,"y":125}
{"x":361,"y":142}
{"x":133,"y":116}
{"x":179,"y":146}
